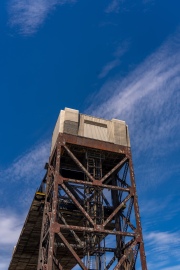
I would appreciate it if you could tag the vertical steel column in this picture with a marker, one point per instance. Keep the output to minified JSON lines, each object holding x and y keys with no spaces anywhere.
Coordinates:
{"x":116,"y":202}
{"x":137,"y":215}
{"x":46,"y":249}
{"x":53,"y":214}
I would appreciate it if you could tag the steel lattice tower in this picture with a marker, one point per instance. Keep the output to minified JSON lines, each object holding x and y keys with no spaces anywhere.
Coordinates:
{"x":91,"y":216}
{"x":90,"y":198}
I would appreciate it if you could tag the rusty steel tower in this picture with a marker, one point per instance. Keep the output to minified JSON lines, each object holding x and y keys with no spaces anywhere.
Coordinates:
{"x":89,"y":208}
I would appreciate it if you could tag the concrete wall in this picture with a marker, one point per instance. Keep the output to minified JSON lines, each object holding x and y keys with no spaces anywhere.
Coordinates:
{"x":70,"y":121}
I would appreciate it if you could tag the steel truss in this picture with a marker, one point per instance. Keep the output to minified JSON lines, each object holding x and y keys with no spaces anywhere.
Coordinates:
{"x":91,"y":215}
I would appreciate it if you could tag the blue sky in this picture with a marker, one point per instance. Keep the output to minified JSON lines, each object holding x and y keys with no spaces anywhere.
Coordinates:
{"x":108,"y":58}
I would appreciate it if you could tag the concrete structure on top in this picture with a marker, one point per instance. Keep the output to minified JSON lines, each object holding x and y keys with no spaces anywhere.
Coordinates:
{"x":72,"y":122}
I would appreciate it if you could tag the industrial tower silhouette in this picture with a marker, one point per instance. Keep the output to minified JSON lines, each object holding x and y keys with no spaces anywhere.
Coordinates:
{"x":85,"y":214}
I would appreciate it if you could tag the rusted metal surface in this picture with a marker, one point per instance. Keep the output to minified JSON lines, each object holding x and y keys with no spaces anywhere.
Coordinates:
{"x":121,"y":261}
{"x":98,"y":229}
{"x":90,"y":194}
{"x":117,"y":167}
{"x":116,"y":210}
{"x":110,"y":263}
{"x":94,"y":144}
{"x":72,"y":251}
{"x":25,"y":255}
{"x":77,"y":203}
{"x":137,"y":216}
{"x":77,"y":186}
{"x":97,"y":184}
{"x":79,"y":163}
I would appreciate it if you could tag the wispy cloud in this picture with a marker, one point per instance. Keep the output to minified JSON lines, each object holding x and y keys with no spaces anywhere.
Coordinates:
{"x":148,"y":99}
{"x":119,"y":52}
{"x":166,"y":246}
{"x":149,"y":93}
{"x":114,"y":6}
{"x":176,"y":267}
{"x":161,"y":209}
{"x":4,"y":262}
{"x":29,"y":165}
{"x":108,"y":67}
{"x":28,"y":15}
{"x":24,"y":176}
{"x":10,"y":228}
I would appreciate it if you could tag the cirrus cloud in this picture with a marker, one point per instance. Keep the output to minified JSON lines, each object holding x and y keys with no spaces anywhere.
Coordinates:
{"x":28,"y":15}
